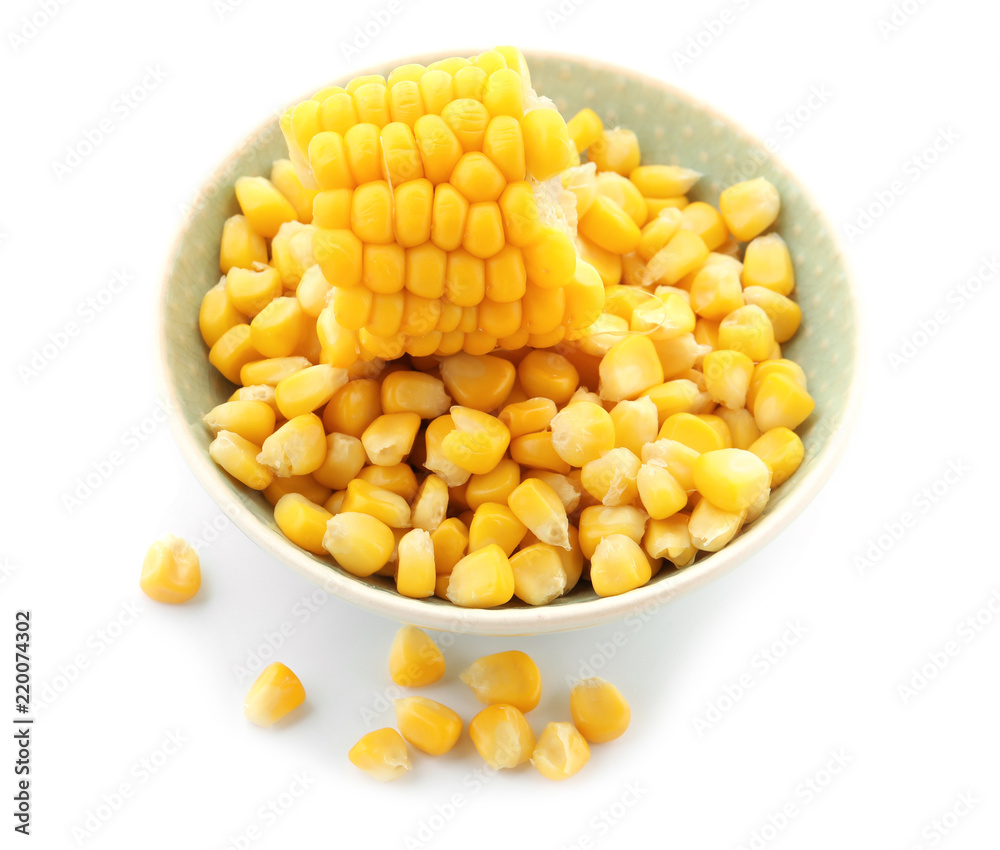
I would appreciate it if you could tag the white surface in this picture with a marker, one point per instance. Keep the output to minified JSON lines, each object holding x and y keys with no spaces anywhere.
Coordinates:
{"x":176,"y":670}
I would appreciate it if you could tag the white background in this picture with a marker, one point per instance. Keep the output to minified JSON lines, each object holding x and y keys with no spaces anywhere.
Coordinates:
{"x":137,"y":679}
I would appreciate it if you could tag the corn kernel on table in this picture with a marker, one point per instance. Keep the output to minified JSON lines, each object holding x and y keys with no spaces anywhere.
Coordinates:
{"x":837,"y":689}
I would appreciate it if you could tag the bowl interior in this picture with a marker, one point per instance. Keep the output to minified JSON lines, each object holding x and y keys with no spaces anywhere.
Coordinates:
{"x":672,"y":128}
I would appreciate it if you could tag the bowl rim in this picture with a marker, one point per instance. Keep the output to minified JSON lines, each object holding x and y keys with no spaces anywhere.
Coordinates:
{"x":530,"y":620}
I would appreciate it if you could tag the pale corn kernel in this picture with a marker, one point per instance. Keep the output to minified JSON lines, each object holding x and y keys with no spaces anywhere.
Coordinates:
{"x":678,"y":355}
{"x":636,"y":423}
{"x":711,"y":528}
{"x":748,"y":330}
{"x":706,"y":221}
{"x":715,"y":292}
{"x":171,"y":571}
{"x":618,"y":565}
{"x":630,"y":367}
{"x":482,"y":579}
{"x":749,"y":208}
{"x":624,"y":193}
{"x":381,"y":754}
{"x":493,"y":486}
{"x":240,"y":246}
{"x":415,"y":574}
{"x":359,"y":542}
{"x":742,"y":426}
{"x":273,"y":370}
{"x":622,"y":300}
{"x":276,"y":330}
{"x":785,"y":314}
{"x":727,"y":377}
{"x":238,"y":456}
{"x":767,"y":262}
{"x":617,"y":150}
{"x":581,"y":180}
{"x":584,"y":297}
{"x":539,"y":574}
{"x":308,"y":389}
{"x":598,"y":522}
{"x":541,"y":510}
{"x":297,"y":448}
{"x":584,"y":129}
{"x":677,"y":396}
{"x":436,"y":461}
{"x":276,"y":692}
{"x":659,"y":492}
{"x":560,"y":752}
{"x":663,"y":181}
{"x":670,"y":539}
{"x":599,"y":710}
{"x":508,"y":678}
{"x":451,"y":542}
{"x":251,"y":290}
{"x":502,"y":736}
{"x":304,"y":485}
{"x":493,"y":523}
{"x":582,"y":394}
{"x":345,"y":458}
{"x":389,"y":438}
{"x":430,"y":506}
{"x":481,"y":382}
{"x":607,"y":264}
{"x":478,"y":442}
{"x":757,"y":507}
{"x":782,"y":450}
{"x":302,"y":521}
{"x":611,"y":479}
{"x":657,"y":206}
{"x":582,"y":432}
{"x":265,"y":208}
{"x":609,"y":227}
{"x":292,"y":252}
{"x":529,"y":416}
{"x":217,"y":315}
{"x":384,"y":505}
{"x":678,"y":457}
{"x":427,"y":725}
{"x":780,"y":402}
{"x":567,"y":489}
{"x":600,"y":337}
{"x":252,"y":420}
{"x":731,"y":479}
{"x":414,"y":659}
{"x":353,"y":407}
{"x":683,"y":254}
{"x":762,"y":370}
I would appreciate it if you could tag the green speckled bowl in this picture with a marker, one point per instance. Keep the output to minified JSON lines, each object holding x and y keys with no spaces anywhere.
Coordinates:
{"x":672,"y":128}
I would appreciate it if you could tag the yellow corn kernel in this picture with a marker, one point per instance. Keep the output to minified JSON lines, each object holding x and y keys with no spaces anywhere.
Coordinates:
{"x":782,"y":450}
{"x":608,"y":264}
{"x":584,"y":297}
{"x":666,"y":316}
{"x":748,"y":330}
{"x":711,"y":527}
{"x":528,"y":416}
{"x":304,"y":485}
{"x":598,"y":521}
{"x":272,"y":371}
{"x":467,"y":118}
{"x":302,"y":521}
{"x":599,"y":710}
{"x":678,"y":457}
{"x":478,"y":442}
{"x":483,"y":236}
{"x":663,"y":181}
{"x":415,"y":575}
{"x":635,"y":423}
{"x":405,"y":105}
{"x":337,"y":112}
{"x":785,"y":314}
{"x":430,"y":504}
{"x":339,"y":254}
{"x":241,"y":246}
{"x":550,"y":261}
{"x":414,"y":392}
{"x":401,"y":158}
{"x":359,"y":542}
{"x":312,"y":293}
{"x":171,"y":571}
{"x":669,"y":538}
{"x":297,"y":448}
{"x":217,"y":315}
{"x":508,"y":678}
{"x":618,"y":565}
{"x":539,"y":574}
{"x":437,"y":90}
{"x":749,"y":208}
{"x":585,"y":128}
{"x":521,"y":222}
{"x":660,"y":493}
{"x":440,"y":150}
{"x":493,"y":486}
{"x":658,"y":232}
{"x":389,"y":438}
{"x":541,"y":510}
{"x":677,"y":396}
{"x":238,"y":456}
{"x":252,"y":420}
{"x":727,"y":377}
{"x":657,"y":206}
{"x":414,"y":659}
{"x":683,"y":254}
{"x":405,"y":73}
{"x":371,"y":213}
{"x":480,"y":382}
{"x":716,"y":292}
{"x":689,"y":429}
{"x":678,"y":355}
{"x":276,"y":692}
{"x":546,"y":374}
{"x":494,"y":523}
{"x":413,"y":210}
{"x":436,"y":460}
{"x":427,"y":725}
{"x":781,"y":402}
{"x":504,"y":147}
{"x":616,"y":150}
{"x":332,"y":209}
{"x":398,"y":478}
{"x":424,"y":274}
{"x":502,"y":736}
{"x":624,"y":194}
{"x":505,"y":275}
{"x":768,"y":263}
{"x":543,"y":312}
{"x":622,"y":300}
{"x":609,"y":227}
{"x":742,"y":426}
{"x":789,"y":368}
{"x":383,"y":504}
{"x":371,"y":100}
{"x":581,"y":180}
{"x":451,"y":541}
{"x":345,"y":458}
{"x":705,"y":221}
{"x":503,"y":94}
{"x":479,"y":342}
{"x":547,"y":148}
{"x":353,"y":407}
{"x":308,"y":389}
{"x":329,"y":161}
{"x":381,"y":754}
{"x":629,"y":368}
{"x":482,"y":579}
{"x":265,"y":208}
{"x":582,"y":432}
{"x":560,"y":752}
{"x":465,"y":283}
{"x":251,"y":290}
{"x":731,"y":479}
{"x":536,"y":450}
{"x":477,"y":178}
{"x":611,"y":479}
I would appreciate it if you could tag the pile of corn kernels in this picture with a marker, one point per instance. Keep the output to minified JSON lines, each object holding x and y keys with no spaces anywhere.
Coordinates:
{"x":490,"y":354}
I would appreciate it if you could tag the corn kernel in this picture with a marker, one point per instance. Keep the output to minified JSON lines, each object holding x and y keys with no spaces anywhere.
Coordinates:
{"x":297,"y":448}
{"x":451,"y":541}
{"x":683,"y":254}
{"x":609,"y":227}
{"x":381,"y":754}
{"x":536,"y":450}
{"x":715,"y":292}
{"x":353,"y":407}
{"x":780,"y":402}
{"x":503,"y":94}
{"x":616,"y":150}
{"x":265,"y":208}
{"x":427,"y":725}
{"x":584,"y":128}
{"x":748,"y":330}
{"x":383,"y":504}
{"x":611,"y":478}
{"x":629,"y":368}
{"x":304,"y":485}
{"x":768,"y":263}
{"x":502,"y":736}
{"x":217,"y":315}
{"x":482,"y":579}
{"x":302,"y":521}
{"x":599,"y":710}
{"x":521,"y":220}
{"x":405,"y":104}
{"x":582,"y":432}
{"x":546,"y":142}
{"x":742,"y":426}
{"x":509,"y":678}
{"x":276,"y":692}
{"x":785,"y":314}
{"x":727,"y":377}
{"x":539,"y":574}
{"x":560,"y":752}
{"x":749,"y":208}
{"x":359,"y":542}
{"x":389,"y":437}
{"x":436,"y":461}
{"x":171,"y":571}
{"x":711,"y":528}
{"x":762,"y":370}
{"x":468,"y":120}
{"x":782,"y":450}
{"x":414,"y":392}
{"x":669,"y":538}
{"x":251,"y":290}
{"x":493,"y":486}
{"x":240,"y":246}
{"x":658,"y":232}
{"x":598,"y":522}
{"x":414,"y":659}
{"x":526,"y":417}
{"x":660,"y":493}
{"x":618,"y":565}
{"x":608,"y":264}
{"x":541,"y":510}
{"x":678,"y":457}
{"x":635,"y":423}
{"x":731,"y":479}
{"x":493,"y":523}
{"x":345,"y":458}
{"x":705,"y":221}
{"x":252,"y":420}
{"x":663,"y":181}
{"x":624,"y":194}
{"x":415,"y":575}
{"x":238,"y":456}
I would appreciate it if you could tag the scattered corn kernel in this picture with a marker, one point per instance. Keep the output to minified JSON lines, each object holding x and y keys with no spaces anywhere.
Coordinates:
{"x":414,"y":659}
{"x":427,"y":725}
{"x":381,"y":754}
{"x":502,"y":736}
{"x":171,"y":571}
{"x":510,"y":677}
{"x":560,"y":752}
{"x":599,"y":710}
{"x":275,"y":694}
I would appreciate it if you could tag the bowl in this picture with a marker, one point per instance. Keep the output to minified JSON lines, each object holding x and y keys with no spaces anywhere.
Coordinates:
{"x":672,"y":127}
